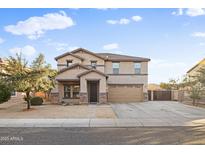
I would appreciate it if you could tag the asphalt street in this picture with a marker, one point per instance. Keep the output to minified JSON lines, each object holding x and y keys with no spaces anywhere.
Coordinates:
{"x":103,"y":136}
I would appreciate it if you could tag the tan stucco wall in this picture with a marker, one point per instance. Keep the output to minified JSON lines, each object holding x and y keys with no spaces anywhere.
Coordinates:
{"x":87,"y":60}
{"x":71,"y":74}
{"x":144,"y":67}
{"x":89,"y":57}
{"x":129,"y":79}
{"x":61,"y":91}
{"x":19,"y":98}
{"x":126,"y":67}
{"x":63,"y":60}
{"x":93,"y":76}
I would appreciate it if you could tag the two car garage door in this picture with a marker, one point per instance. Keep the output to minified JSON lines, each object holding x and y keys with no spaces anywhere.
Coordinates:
{"x":125,"y":93}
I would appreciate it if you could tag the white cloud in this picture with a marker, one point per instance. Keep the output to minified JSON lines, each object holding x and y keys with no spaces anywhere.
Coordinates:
{"x":124,"y":21}
{"x":136,"y":18}
{"x":1,"y":40}
{"x":113,"y":22}
{"x":35,"y":27}
{"x":102,"y":9}
{"x":198,"y":34}
{"x":195,"y":12}
{"x":27,"y":50}
{"x":111,"y":46}
{"x":189,"y":12}
{"x":178,"y":12}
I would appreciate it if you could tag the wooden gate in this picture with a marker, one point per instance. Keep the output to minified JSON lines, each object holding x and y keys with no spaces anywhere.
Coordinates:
{"x":162,"y":95}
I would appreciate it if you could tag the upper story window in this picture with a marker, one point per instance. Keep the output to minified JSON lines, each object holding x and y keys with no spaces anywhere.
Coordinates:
{"x":116,"y":67}
{"x":93,"y":64}
{"x":137,"y":68}
{"x":69,"y":62}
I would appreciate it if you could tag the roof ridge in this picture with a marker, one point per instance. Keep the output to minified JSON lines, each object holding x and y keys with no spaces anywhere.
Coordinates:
{"x":92,"y":70}
{"x":118,"y":54}
{"x":72,"y":66}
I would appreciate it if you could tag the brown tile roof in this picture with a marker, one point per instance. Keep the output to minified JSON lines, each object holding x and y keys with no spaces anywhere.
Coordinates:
{"x":73,"y":66}
{"x":77,"y":50}
{"x":89,"y":52}
{"x":105,"y":56}
{"x":92,"y":70}
{"x":118,"y":57}
{"x":68,"y":53}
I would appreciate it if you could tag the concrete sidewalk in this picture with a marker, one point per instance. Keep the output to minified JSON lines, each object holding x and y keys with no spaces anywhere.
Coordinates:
{"x":91,"y":123}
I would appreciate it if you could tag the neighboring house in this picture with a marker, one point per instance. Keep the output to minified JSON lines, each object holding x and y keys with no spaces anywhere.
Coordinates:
{"x":87,"y":77}
{"x":195,"y":68}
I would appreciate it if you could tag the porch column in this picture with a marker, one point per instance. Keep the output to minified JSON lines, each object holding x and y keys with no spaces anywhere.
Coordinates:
{"x":83,"y":91}
{"x":103,"y":91}
{"x":152,"y":95}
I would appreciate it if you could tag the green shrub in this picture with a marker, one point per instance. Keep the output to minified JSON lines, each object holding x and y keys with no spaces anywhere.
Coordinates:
{"x":5,"y":93}
{"x":36,"y":101}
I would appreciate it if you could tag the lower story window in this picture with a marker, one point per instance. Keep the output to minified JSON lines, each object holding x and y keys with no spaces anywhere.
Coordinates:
{"x":76,"y":90}
{"x":67,"y":91}
{"x":71,"y":91}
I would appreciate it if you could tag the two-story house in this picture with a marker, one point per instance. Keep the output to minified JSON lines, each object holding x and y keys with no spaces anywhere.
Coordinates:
{"x":87,"y":77}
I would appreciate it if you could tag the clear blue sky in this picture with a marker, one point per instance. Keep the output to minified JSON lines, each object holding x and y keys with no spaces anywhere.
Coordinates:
{"x":173,"y":39}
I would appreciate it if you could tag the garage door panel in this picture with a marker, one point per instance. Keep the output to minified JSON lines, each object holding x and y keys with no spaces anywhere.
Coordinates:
{"x":125,"y":93}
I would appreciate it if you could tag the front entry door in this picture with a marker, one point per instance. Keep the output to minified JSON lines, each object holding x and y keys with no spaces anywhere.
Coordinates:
{"x":93,"y":91}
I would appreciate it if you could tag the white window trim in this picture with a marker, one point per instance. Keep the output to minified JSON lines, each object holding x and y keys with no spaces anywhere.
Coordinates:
{"x":115,"y":67}
{"x":138,"y":68}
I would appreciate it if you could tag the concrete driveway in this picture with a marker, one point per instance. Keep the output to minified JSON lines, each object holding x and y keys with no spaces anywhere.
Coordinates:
{"x":160,"y":113}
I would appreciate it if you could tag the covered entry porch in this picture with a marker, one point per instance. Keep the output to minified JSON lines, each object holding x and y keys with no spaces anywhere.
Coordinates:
{"x":89,"y":88}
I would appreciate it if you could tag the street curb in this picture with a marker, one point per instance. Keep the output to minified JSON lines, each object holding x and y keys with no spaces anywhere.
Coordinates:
{"x":89,"y":123}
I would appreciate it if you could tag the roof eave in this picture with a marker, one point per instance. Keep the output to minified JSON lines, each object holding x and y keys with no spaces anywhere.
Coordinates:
{"x":68,"y":53}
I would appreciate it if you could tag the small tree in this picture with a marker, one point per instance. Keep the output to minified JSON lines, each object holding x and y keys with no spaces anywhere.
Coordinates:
{"x":195,"y":89}
{"x":46,"y":82}
{"x":5,"y":92}
{"x":200,"y":76}
{"x":20,"y":76}
{"x":171,"y":85}
{"x":196,"y":92}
